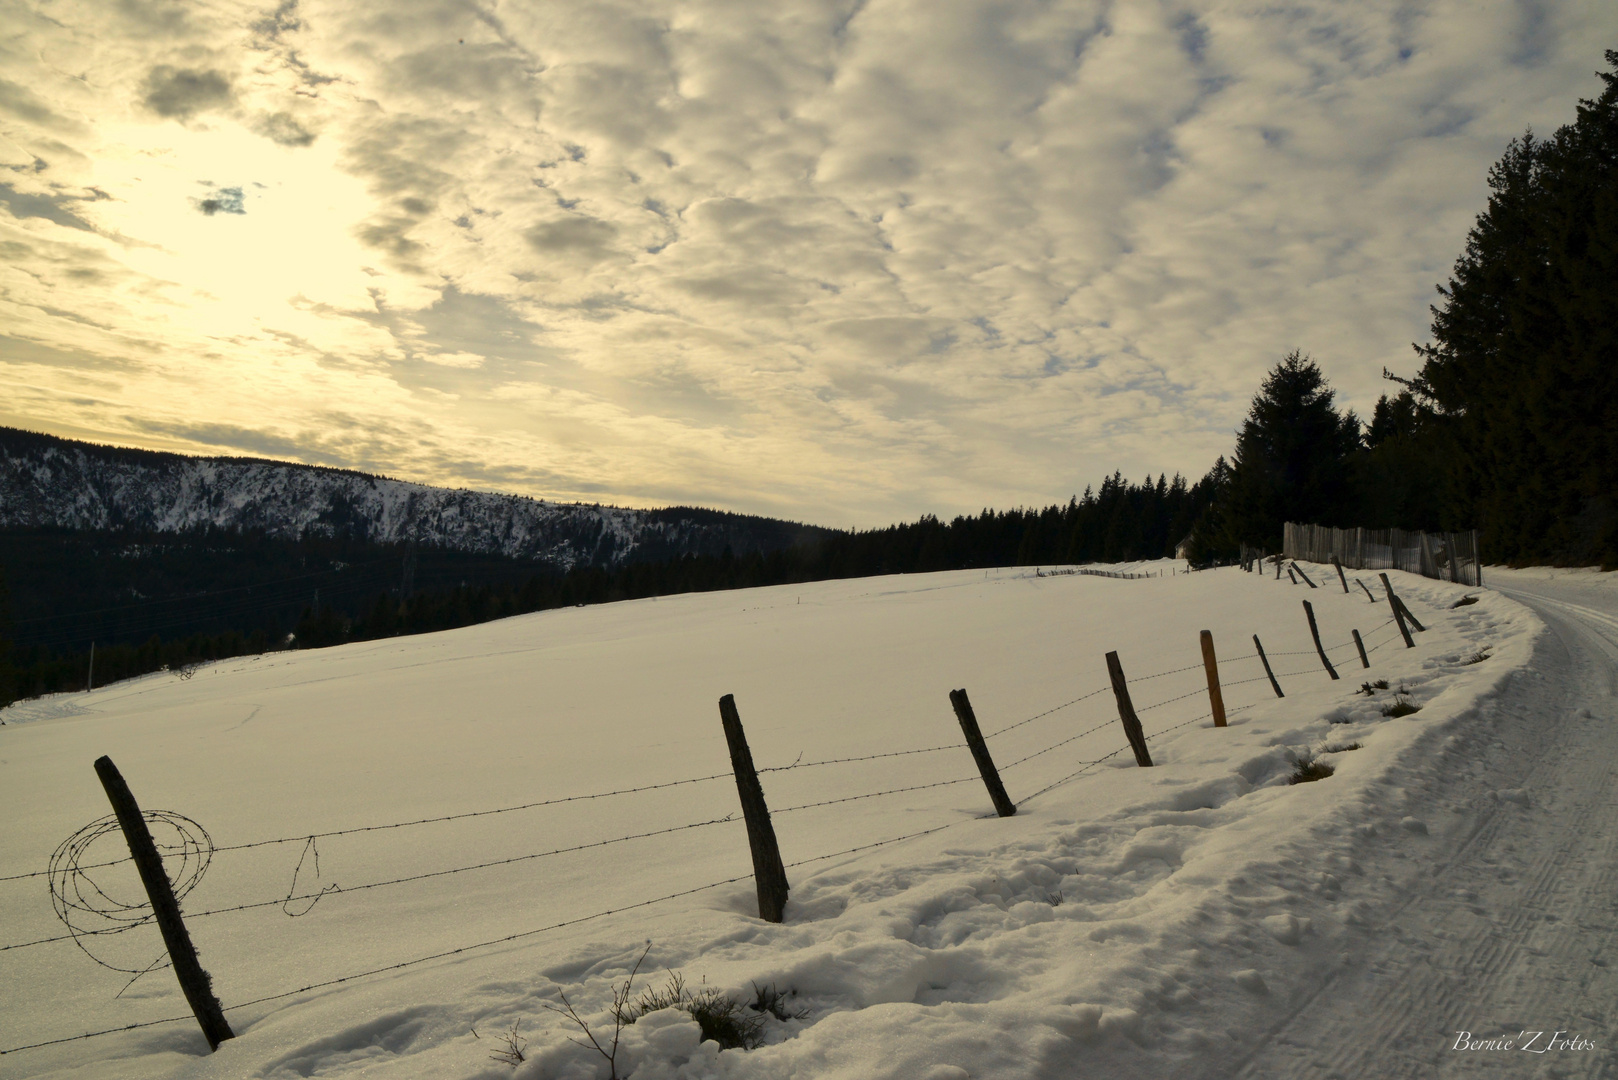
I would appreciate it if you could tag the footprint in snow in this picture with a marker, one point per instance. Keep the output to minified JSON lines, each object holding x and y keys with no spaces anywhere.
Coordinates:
{"x":1287,"y":929}
{"x":1250,"y":980}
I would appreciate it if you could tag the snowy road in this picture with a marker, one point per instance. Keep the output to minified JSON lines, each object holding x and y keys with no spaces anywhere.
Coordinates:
{"x":1510,"y":927}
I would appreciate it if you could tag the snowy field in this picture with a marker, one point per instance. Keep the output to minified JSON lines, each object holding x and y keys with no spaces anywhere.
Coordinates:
{"x":1127,"y":922}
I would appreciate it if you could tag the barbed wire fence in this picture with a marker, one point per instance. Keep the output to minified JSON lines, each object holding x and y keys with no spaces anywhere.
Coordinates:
{"x":91,"y":911}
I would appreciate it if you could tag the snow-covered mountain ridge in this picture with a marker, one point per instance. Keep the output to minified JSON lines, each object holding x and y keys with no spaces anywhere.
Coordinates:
{"x":52,"y":482}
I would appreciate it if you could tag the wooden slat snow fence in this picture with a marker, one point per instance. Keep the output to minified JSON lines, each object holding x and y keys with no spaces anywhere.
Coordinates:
{"x":1450,"y":556}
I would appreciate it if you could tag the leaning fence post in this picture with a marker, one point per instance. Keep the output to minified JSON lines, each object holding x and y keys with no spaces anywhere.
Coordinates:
{"x":1398,"y":615}
{"x":768,"y":874}
{"x":1291,"y":575}
{"x":1410,"y":616}
{"x":1314,"y":631}
{"x":1265,"y":660}
{"x":1305,"y":576}
{"x":1365,"y":661}
{"x":1126,"y":712}
{"x":194,"y":981}
{"x":1211,"y":665}
{"x":1368,"y":595}
{"x":1335,"y":561}
{"x":980,"y":753}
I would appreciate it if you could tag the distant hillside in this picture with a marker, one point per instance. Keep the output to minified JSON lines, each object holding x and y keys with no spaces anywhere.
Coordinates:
{"x":52,"y":483}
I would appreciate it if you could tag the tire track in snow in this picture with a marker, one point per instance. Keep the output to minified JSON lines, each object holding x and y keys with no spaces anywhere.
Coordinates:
{"x":1518,"y":928}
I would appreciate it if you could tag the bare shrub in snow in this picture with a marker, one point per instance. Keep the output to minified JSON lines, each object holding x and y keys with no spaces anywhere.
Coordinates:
{"x":721,"y":1018}
{"x":511,"y":1053}
{"x":767,"y":999}
{"x":622,"y":1015}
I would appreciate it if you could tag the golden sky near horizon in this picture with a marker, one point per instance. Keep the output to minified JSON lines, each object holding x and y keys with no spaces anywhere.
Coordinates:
{"x":844,"y":262}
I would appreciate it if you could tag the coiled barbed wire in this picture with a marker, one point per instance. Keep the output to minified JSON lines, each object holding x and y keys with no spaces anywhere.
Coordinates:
{"x":90,"y":908}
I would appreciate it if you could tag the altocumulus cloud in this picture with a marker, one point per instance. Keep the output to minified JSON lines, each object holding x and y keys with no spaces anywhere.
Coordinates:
{"x":843,"y":260}
{"x":180,"y":93}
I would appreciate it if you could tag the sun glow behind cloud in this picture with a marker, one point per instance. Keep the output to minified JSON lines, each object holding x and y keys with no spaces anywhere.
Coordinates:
{"x":847,"y":262}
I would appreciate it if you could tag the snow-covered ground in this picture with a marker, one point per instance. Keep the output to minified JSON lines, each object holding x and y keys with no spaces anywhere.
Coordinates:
{"x":1126,"y":922}
{"x":1495,"y":956}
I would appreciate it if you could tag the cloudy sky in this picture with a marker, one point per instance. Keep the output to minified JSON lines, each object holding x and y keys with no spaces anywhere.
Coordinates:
{"x":845,"y":261}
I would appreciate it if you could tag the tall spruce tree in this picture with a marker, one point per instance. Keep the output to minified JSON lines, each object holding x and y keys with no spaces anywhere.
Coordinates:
{"x":1292,"y":460}
{"x":1522,"y":371}
{"x":1401,"y":480}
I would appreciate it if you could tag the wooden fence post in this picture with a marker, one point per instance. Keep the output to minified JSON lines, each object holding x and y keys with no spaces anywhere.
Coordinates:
{"x":194,"y":981}
{"x":1367,"y":588}
{"x":1291,"y":575}
{"x":1305,"y":576}
{"x":1410,"y":616}
{"x":1278,"y":568}
{"x":1126,"y":712}
{"x":1398,"y":616}
{"x":980,"y":753}
{"x":768,"y":874}
{"x":1211,"y":665}
{"x":1365,"y":661}
{"x":1315,"y":633}
{"x":1265,"y":660}
{"x":1335,"y":561}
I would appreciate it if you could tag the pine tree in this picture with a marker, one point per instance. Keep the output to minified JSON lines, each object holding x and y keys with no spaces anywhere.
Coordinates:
{"x":1292,"y":458}
{"x":1522,"y":369}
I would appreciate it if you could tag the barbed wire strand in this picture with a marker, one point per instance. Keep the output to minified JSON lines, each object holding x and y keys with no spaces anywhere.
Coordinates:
{"x":885,"y":843}
{"x":1172,"y":700}
{"x":1187,"y":723}
{"x":875,"y":794}
{"x":76,"y":896}
{"x":487,"y":944}
{"x":305,"y":837}
{"x":315,"y":896}
{"x":474,"y":813}
{"x":1073,"y":775}
{"x":1160,"y":674}
{"x":867,"y":757}
{"x":463,"y":869}
{"x":1064,"y":742}
{"x":1047,"y":712}
{"x":94,"y":1034}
